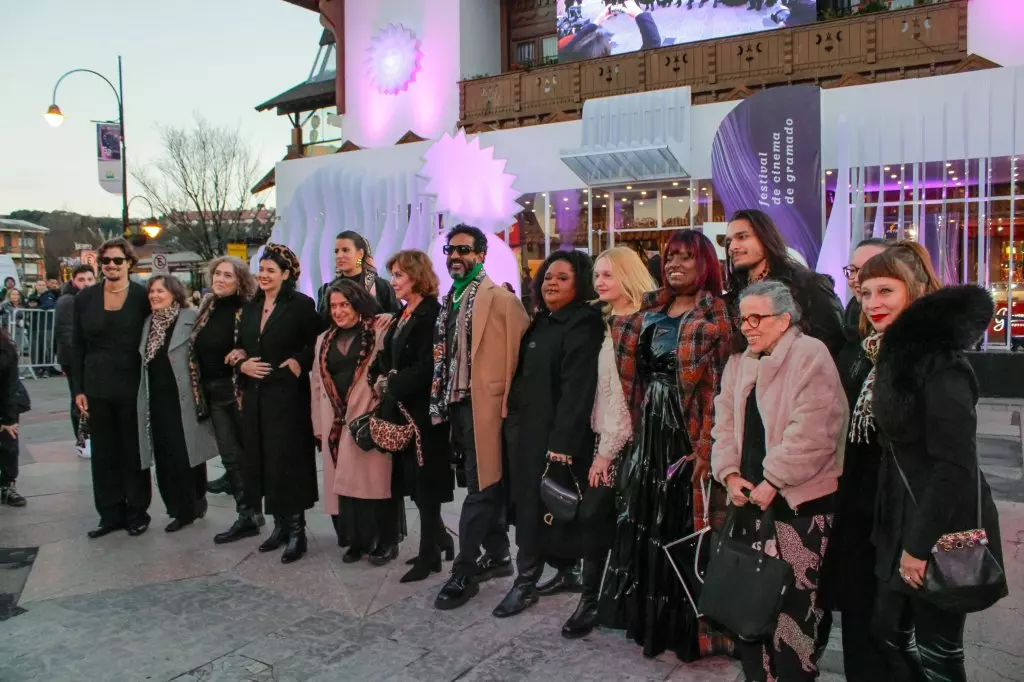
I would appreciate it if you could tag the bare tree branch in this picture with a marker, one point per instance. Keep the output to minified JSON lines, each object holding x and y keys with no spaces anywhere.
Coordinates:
{"x":200,"y":185}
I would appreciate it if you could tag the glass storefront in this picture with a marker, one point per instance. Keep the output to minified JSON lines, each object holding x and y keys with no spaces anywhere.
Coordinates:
{"x":968,"y":213}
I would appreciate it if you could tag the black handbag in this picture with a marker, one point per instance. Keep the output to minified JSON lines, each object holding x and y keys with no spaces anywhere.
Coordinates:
{"x":360,"y":428}
{"x":744,"y":587}
{"x":962,"y":574}
{"x":561,"y":502}
{"x":22,"y":401}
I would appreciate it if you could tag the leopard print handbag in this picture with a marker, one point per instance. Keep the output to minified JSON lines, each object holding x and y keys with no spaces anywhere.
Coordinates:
{"x":395,"y":438}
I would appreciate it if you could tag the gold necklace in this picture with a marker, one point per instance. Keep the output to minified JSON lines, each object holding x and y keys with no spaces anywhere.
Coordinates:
{"x":117,"y":291}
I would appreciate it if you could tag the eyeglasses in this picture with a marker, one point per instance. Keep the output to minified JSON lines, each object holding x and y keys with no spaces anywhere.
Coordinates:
{"x":461,"y":249}
{"x":755,"y":320}
{"x":116,"y":260}
{"x":850,"y":271}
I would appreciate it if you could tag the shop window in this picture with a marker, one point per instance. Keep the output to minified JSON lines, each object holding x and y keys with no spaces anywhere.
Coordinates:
{"x":549,"y":49}
{"x":526,"y":53}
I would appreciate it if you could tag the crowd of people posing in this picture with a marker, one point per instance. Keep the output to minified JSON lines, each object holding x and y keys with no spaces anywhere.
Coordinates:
{"x":606,"y":424}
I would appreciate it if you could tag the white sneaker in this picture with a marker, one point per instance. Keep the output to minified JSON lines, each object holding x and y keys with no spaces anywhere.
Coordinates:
{"x":84,"y":452}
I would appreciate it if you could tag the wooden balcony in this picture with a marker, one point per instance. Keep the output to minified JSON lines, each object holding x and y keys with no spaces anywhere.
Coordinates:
{"x":912,"y":43}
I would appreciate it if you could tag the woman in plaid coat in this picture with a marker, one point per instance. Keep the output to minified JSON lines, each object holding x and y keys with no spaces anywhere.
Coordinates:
{"x":670,"y":358}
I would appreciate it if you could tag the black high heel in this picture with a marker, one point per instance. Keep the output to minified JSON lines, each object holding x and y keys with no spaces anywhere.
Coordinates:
{"x":422,"y":570}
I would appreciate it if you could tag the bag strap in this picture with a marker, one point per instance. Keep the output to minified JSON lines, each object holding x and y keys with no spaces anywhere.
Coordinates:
{"x":572,"y":475}
{"x":906,"y":483}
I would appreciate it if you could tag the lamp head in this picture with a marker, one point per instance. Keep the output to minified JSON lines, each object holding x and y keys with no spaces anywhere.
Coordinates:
{"x":54,"y":116}
{"x":151,"y":228}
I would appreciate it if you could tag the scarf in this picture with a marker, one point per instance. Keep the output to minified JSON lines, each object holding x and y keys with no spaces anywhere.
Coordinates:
{"x":862,"y":422}
{"x":460,"y":284}
{"x":339,"y":404}
{"x":198,"y":394}
{"x":160,"y":322}
{"x":452,"y":366}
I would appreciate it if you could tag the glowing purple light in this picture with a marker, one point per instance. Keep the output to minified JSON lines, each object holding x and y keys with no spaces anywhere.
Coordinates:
{"x":470,"y":183}
{"x":393,"y":59}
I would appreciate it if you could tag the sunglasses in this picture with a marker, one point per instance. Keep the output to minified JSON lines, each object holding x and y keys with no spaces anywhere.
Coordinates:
{"x":461,"y":249}
{"x":116,"y":260}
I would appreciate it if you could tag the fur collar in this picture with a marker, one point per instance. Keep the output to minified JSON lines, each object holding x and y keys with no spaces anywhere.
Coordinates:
{"x":932,"y":333}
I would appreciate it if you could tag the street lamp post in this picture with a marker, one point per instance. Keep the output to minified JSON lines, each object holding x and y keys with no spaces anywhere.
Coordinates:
{"x":54,"y":117}
{"x":150,"y":226}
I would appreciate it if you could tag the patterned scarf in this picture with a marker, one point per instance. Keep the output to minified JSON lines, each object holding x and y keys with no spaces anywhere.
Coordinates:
{"x":339,"y":405}
{"x":450,"y":362}
{"x":862,"y":422}
{"x":161,"y":321}
{"x":198,"y":394}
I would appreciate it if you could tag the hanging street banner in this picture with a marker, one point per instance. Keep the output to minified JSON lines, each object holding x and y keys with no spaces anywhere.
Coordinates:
{"x":108,"y":155}
{"x":767,"y":155}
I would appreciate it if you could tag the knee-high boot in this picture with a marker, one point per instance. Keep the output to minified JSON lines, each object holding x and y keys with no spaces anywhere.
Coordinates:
{"x":296,"y":538}
{"x":584,"y":619}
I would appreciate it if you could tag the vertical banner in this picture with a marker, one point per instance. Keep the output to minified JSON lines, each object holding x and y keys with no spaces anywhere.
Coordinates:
{"x":767,"y":155}
{"x":108,"y":155}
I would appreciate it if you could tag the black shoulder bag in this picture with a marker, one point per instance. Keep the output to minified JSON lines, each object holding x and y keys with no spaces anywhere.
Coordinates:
{"x":962,"y":575}
{"x":744,"y":587}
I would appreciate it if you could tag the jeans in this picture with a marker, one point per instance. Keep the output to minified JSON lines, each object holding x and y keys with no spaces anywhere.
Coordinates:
{"x":921,"y":642}
{"x":482,"y":522}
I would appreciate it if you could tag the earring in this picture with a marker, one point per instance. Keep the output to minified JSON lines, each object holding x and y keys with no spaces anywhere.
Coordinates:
{"x":359,"y":261}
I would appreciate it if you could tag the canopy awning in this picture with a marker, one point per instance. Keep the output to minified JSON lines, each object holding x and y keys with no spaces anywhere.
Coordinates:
{"x":633,"y":138}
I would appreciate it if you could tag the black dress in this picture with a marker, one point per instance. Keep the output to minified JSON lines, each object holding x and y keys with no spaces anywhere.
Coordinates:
{"x":182,"y":486}
{"x":367,"y":523}
{"x":280,"y":460}
{"x":642,"y":593}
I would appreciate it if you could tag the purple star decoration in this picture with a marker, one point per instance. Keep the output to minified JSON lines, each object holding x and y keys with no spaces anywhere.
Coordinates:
{"x":393,"y":58}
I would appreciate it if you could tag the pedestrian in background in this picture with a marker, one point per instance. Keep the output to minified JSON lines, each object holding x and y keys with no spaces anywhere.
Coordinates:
{"x":105,"y":372}
{"x":9,"y":414}
{"x":82,"y":277}
{"x":354,"y":262}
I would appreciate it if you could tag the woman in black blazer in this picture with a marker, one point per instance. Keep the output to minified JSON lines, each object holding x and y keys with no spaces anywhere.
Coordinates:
{"x":278,"y":330}
{"x":922,"y":401}
{"x":402,"y":372}
{"x":106,"y":369}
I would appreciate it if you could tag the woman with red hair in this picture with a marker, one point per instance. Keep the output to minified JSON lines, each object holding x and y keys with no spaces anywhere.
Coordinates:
{"x":670,"y":357}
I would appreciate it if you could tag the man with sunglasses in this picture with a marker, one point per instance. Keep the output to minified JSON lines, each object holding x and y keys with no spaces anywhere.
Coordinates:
{"x":476,"y":350}
{"x":105,"y":374}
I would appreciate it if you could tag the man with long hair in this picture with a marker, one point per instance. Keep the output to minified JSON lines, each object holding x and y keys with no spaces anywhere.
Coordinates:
{"x":756,"y":251}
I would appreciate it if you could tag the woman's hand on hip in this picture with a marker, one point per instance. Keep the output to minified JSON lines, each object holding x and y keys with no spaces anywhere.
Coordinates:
{"x":10,"y":429}
{"x":736,"y":485}
{"x":293,"y":365}
{"x":599,"y":471}
{"x":912,"y":570}
{"x":763,"y":495}
{"x":255,"y":368}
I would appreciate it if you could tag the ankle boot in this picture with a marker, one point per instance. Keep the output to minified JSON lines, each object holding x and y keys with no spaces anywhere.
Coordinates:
{"x":584,"y":619}
{"x":245,"y":526}
{"x":277,"y":536}
{"x":296,"y":538}
{"x":447,"y":544}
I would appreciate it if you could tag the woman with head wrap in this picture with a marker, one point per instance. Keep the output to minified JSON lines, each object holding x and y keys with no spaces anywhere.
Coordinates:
{"x":278,"y":330}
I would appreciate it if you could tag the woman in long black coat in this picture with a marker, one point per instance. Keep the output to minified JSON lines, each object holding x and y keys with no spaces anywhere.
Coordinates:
{"x":278,"y":331}
{"x":549,"y":409}
{"x":403,"y":372}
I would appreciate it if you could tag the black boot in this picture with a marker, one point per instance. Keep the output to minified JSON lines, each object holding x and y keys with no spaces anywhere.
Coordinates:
{"x":584,"y":619}
{"x":522,"y":596}
{"x":277,"y":536}
{"x":296,"y":538}
{"x":245,"y":526}
{"x":566,"y":580}
{"x":219,"y":486}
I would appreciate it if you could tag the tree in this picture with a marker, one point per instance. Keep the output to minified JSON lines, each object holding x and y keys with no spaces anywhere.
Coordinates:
{"x":200,"y":184}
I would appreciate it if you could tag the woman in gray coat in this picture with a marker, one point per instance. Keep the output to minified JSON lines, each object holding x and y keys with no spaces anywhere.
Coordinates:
{"x":173,"y":431}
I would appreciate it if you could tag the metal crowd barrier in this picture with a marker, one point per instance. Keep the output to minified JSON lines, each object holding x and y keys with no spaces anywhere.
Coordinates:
{"x":33,"y":334}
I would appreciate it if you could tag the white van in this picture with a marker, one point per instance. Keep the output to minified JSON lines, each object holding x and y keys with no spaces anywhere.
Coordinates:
{"x":8,"y":269}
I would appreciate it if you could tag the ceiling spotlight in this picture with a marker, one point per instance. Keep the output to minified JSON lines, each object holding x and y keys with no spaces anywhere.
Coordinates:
{"x":675,"y":184}
{"x":828,"y":172}
{"x":886,"y":168}
{"x":629,"y":186}
{"x":893,"y":176}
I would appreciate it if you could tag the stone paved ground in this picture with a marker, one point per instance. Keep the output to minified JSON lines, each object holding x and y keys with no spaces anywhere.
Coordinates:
{"x":174,"y":607}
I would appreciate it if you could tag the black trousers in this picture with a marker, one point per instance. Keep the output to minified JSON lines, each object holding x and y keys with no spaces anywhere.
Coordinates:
{"x":121,"y":489}
{"x":74,"y":408}
{"x":483,"y":521}
{"x":530,"y":565}
{"x":431,"y":530}
{"x":371,"y":523}
{"x":227,"y":429}
{"x":9,"y":459}
{"x":921,"y":642}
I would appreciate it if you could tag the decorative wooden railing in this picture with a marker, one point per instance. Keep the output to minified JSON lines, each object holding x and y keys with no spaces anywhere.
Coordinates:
{"x":921,"y":41}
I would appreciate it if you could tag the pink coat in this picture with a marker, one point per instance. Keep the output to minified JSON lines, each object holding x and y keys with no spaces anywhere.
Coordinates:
{"x":361,"y":474}
{"x":804,"y":411}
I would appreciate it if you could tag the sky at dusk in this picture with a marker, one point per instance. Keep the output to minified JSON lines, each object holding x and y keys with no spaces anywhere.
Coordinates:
{"x":218,"y":57}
